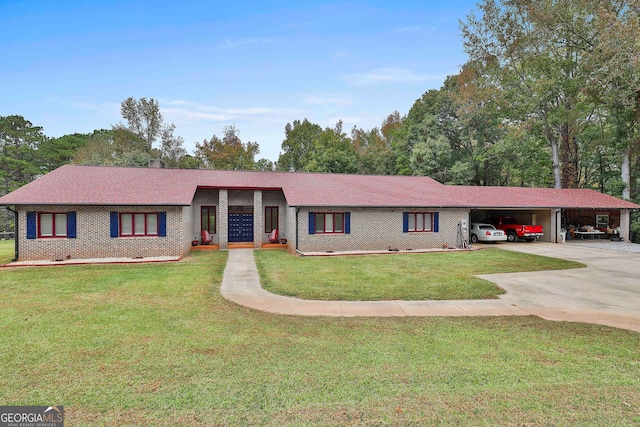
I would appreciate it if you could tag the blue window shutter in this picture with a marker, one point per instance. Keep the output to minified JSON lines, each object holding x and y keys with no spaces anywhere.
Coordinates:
{"x":312,"y":223}
{"x":436,"y":222}
{"x":347,"y":222}
{"x":31,"y":225}
{"x":71,"y":225}
{"x":405,"y":222}
{"x":114,"y":224}
{"x":162,"y":224}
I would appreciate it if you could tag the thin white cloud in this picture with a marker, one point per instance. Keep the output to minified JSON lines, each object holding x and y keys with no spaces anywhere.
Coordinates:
{"x":198,"y":115}
{"x":411,"y":29}
{"x":391,"y":75}
{"x":303,"y":25}
{"x":341,"y":53}
{"x":235,"y":43}
{"x":252,"y":111}
{"x":191,"y":111}
{"x":328,"y":100}
{"x":103,"y":108}
{"x":347,"y":122}
{"x":178,"y":102}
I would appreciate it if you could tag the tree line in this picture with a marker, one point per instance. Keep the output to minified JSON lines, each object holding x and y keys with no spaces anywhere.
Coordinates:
{"x":549,"y":97}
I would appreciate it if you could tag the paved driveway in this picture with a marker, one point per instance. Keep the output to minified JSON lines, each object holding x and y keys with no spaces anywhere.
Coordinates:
{"x":606,"y":292}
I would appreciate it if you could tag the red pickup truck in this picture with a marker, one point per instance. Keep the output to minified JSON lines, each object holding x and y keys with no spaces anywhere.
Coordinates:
{"x":514,"y":230}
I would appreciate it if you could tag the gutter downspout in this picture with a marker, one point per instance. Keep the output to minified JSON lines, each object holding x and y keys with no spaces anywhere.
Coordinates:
{"x":15,"y":234}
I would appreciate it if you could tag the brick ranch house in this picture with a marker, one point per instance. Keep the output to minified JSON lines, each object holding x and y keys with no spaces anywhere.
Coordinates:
{"x":117,"y":212}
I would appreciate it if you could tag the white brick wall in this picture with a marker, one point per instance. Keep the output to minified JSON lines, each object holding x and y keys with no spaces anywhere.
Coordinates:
{"x":275,"y":198}
{"x":371,"y":229}
{"x":258,"y":220}
{"x":380,"y":229}
{"x":289,"y":225}
{"x":187,"y":228}
{"x":204,"y":197}
{"x":258,"y":199}
{"x":93,"y":235}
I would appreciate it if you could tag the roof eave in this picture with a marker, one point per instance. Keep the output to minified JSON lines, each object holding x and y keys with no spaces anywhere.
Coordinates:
{"x":94,"y":204}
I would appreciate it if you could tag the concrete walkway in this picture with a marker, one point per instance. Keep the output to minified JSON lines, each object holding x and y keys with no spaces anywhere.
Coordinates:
{"x":607,"y":292}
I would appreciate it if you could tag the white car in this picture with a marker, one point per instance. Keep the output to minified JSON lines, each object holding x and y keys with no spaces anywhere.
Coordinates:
{"x":481,"y":232}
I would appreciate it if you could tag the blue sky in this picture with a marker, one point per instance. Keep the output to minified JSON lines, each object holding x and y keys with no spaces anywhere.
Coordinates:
{"x":67,"y":66}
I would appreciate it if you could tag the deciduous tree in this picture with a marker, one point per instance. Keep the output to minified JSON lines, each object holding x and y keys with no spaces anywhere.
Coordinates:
{"x":114,"y":147}
{"x":172,"y":147}
{"x":143,"y":118}
{"x":614,"y":60}
{"x":228,"y":153}
{"x":332,"y":152}
{"x":535,"y":51}
{"x":298,"y":145}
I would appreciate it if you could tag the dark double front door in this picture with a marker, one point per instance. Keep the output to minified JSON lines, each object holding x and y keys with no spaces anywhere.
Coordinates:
{"x":240,"y":223}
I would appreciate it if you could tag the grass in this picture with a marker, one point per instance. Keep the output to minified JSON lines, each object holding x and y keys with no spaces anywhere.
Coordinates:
{"x":7,"y":251}
{"x":156,"y":344}
{"x":421,"y":276}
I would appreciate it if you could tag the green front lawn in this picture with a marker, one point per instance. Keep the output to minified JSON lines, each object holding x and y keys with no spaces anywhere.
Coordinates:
{"x":7,"y":251}
{"x":156,"y":344}
{"x":420,"y":276}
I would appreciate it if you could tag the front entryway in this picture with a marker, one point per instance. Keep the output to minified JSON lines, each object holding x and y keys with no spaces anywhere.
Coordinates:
{"x":240,"y":224}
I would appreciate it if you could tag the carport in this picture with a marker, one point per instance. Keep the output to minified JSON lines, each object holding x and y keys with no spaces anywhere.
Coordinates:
{"x":600,"y":219}
{"x":552,"y":208}
{"x":523,"y":216}
{"x":608,"y":219}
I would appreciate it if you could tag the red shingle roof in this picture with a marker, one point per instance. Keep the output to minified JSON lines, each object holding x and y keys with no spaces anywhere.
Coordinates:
{"x":101,"y":185}
{"x":524,"y":197}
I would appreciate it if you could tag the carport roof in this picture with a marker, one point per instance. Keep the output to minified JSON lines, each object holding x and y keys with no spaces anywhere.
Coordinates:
{"x":121,"y":186}
{"x":520,"y":198}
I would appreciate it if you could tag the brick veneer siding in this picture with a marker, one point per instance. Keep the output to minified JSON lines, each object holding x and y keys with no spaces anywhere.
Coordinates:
{"x":223,"y":219}
{"x":205,"y":197}
{"x":93,"y":235}
{"x":380,"y":229}
{"x":222,"y":199}
{"x":275,"y":198}
{"x":289,"y":224}
{"x":241,"y":197}
{"x":187,"y":228}
{"x":258,"y":219}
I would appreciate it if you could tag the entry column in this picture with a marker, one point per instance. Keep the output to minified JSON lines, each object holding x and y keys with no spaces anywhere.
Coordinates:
{"x":625,"y":224}
{"x":223,"y":219}
{"x":258,"y":220}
